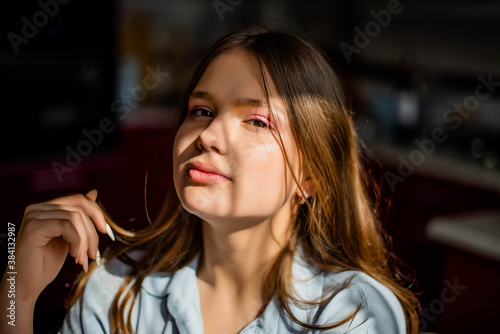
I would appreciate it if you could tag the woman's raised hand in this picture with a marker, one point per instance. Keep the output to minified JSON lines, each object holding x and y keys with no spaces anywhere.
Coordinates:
{"x":48,"y":232}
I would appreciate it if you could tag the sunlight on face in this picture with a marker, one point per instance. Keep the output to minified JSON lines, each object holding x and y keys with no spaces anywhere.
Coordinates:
{"x":228,"y":163}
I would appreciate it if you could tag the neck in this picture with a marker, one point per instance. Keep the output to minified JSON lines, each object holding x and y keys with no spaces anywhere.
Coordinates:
{"x":235,"y":261}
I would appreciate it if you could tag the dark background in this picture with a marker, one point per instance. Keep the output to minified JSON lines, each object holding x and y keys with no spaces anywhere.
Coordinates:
{"x":410,"y":71}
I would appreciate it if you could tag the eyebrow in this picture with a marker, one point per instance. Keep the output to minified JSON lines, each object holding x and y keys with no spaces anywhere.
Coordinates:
{"x":240,"y":102}
{"x":201,"y":95}
{"x":250,"y":103}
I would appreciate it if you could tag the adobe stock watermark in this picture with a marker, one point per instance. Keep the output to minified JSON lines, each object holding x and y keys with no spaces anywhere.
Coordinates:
{"x":437,"y":306}
{"x":11,"y":273}
{"x":452,"y":116}
{"x":372,"y":29}
{"x":40,"y":19}
{"x":94,"y":137}
{"x":221,"y":7}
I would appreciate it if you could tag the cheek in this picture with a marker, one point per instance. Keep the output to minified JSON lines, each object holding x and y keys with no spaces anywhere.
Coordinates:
{"x":181,"y":147}
{"x":274,"y":184}
{"x":183,"y":139}
{"x":263,"y":173}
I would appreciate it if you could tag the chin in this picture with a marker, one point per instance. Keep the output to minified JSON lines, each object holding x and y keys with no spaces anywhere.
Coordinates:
{"x":200,"y":203}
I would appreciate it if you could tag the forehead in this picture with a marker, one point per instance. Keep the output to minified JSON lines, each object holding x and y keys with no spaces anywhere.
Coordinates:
{"x":233,"y":73}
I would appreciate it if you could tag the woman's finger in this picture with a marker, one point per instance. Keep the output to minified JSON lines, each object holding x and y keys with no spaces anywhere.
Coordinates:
{"x":50,"y":228}
{"x":45,"y":211}
{"x":87,"y":243}
{"x":90,"y":207}
{"x":92,"y":195}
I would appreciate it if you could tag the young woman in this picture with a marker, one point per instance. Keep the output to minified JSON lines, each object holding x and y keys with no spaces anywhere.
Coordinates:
{"x":268,"y":229}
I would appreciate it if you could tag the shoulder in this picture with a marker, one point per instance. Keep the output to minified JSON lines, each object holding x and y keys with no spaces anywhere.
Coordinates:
{"x":104,"y":283}
{"x":347,"y":292}
{"x":91,"y":311}
{"x":379,"y":309}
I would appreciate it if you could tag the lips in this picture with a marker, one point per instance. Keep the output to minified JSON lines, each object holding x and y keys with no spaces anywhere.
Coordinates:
{"x":203,"y":172}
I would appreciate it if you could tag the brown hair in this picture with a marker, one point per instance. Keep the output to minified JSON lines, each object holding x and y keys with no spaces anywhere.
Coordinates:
{"x":338,"y":227}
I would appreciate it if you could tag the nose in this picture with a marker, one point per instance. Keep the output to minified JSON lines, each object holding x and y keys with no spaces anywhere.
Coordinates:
{"x":214,"y":136}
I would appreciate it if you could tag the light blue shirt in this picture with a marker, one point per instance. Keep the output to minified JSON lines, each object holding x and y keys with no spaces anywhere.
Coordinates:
{"x":170,"y":303}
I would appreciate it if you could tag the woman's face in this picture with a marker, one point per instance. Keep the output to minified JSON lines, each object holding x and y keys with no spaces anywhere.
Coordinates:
{"x":228,"y":163}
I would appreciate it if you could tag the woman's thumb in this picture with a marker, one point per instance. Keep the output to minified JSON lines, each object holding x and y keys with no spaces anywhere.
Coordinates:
{"x":92,"y":195}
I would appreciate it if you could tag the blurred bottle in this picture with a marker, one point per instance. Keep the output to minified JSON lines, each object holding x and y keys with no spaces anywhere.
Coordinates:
{"x":409,"y":105}
{"x":134,"y":53}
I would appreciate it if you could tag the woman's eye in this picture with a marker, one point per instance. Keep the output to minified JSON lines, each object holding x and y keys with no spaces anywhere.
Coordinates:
{"x":201,"y":112}
{"x":257,"y":123}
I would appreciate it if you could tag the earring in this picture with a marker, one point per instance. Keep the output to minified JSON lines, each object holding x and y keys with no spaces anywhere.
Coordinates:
{"x":303,"y":199}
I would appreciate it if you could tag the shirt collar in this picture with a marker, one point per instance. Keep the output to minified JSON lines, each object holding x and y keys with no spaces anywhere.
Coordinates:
{"x":162,"y":284}
{"x":183,"y":300}
{"x":307,"y":284}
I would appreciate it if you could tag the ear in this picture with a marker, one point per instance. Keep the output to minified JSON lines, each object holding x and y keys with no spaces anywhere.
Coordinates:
{"x":307,"y":186}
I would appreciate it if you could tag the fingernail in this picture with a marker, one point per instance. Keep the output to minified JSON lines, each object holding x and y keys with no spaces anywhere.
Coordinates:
{"x":76,"y":257}
{"x":98,"y":258}
{"x":86,"y":264}
{"x":110,"y":233}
